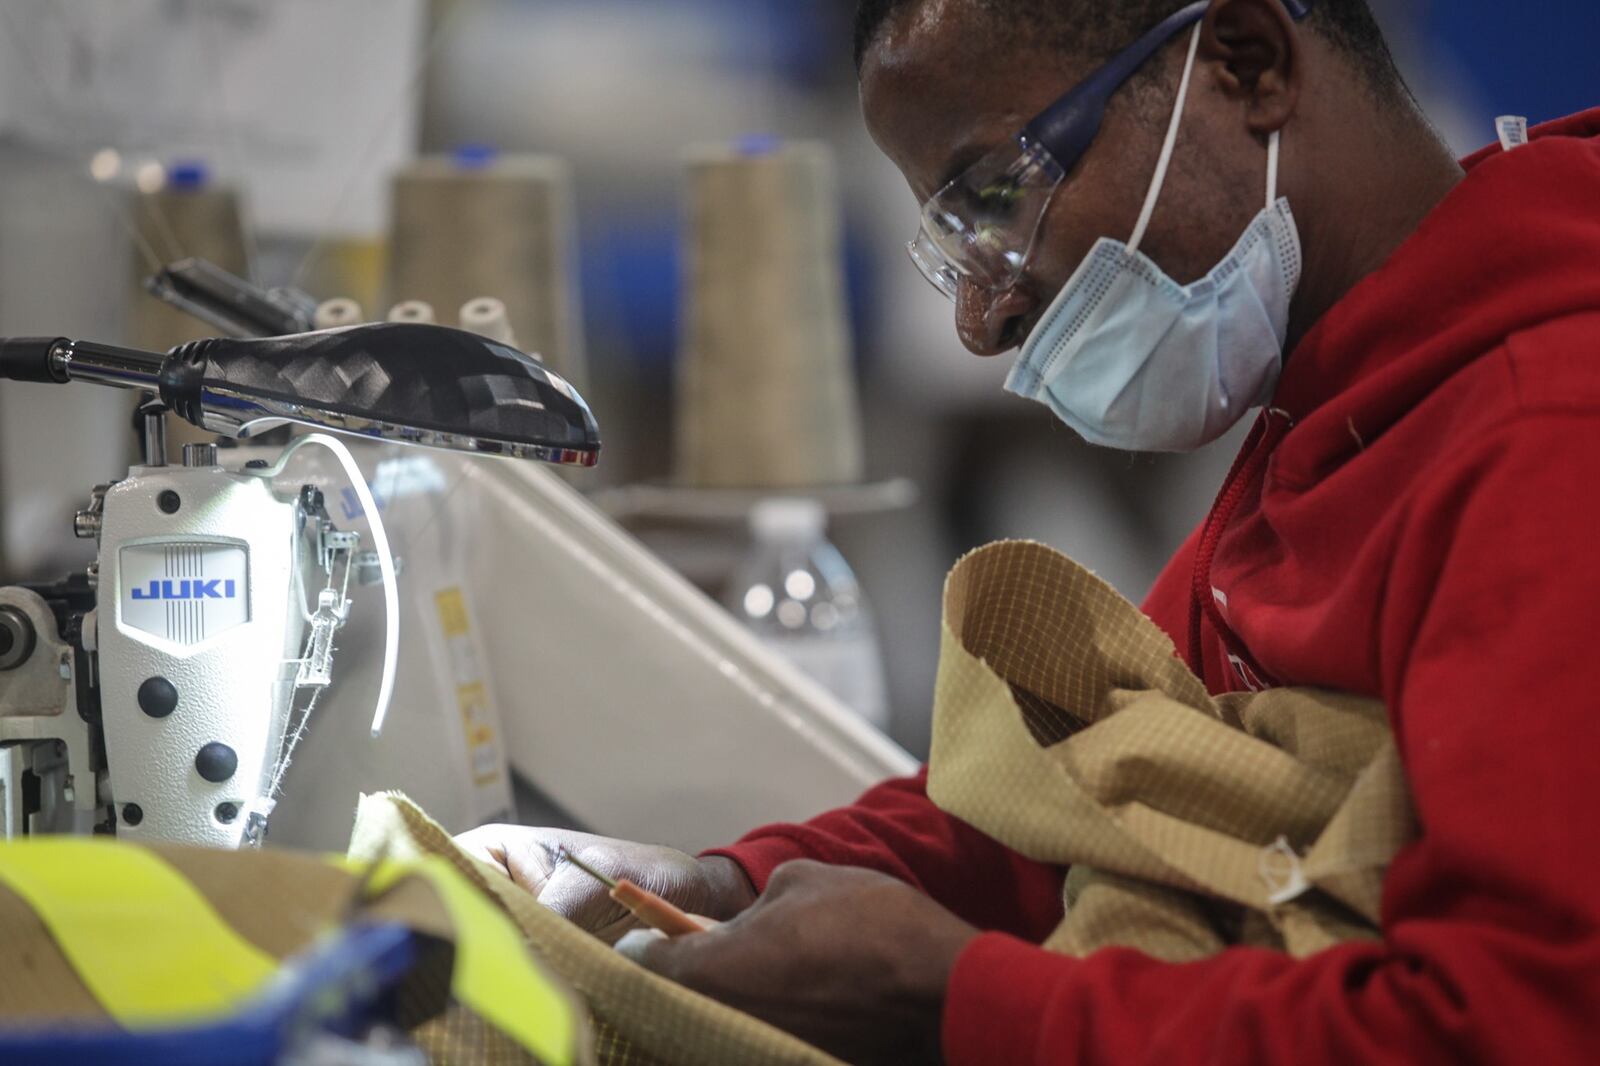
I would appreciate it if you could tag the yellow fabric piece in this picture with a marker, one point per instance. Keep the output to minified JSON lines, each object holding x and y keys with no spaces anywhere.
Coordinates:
{"x":84,"y":924}
{"x":641,"y":1019}
{"x":105,"y":903}
{"x":1066,"y":727}
{"x":500,"y":984}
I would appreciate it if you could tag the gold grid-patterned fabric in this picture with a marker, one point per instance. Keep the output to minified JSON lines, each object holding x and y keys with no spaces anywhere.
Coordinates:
{"x":640,"y":1019}
{"x":1066,"y":727}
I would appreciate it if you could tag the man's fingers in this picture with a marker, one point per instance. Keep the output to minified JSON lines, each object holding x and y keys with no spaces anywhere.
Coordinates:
{"x":531,"y":864}
{"x":681,"y":959}
{"x":531,"y":857}
{"x":525,"y":855}
{"x":569,"y":891}
{"x":638,"y":943}
{"x":483,"y":843}
{"x":792,"y":873}
{"x":586,"y":903}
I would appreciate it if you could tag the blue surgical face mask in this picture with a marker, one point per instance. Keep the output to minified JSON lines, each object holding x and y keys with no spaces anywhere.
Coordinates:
{"x":1130,"y":359}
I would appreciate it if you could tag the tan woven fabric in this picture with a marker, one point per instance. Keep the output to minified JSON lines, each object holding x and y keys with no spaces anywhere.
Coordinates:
{"x":640,"y":1019}
{"x":1066,"y":727}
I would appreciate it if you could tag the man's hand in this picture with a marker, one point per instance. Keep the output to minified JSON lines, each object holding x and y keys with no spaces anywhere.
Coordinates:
{"x":849,"y":960}
{"x":713,"y":887}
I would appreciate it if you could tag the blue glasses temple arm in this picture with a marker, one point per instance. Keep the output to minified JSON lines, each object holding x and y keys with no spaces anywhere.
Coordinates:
{"x":1069,"y":125}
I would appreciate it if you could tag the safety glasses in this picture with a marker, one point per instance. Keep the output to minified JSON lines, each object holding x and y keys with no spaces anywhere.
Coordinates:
{"x":982,"y":225}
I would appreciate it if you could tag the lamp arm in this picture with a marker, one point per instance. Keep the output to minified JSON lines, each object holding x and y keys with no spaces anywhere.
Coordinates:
{"x":58,"y":360}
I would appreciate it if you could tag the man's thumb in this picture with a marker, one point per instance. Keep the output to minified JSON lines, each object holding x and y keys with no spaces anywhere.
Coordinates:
{"x":641,"y":945}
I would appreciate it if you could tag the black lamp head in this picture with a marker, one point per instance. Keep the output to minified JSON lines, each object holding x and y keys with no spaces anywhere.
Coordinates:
{"x":401,"y":381}
{"x":404,"y":381}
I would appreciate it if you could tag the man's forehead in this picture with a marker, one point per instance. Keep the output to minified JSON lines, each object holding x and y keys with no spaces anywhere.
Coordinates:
{"x":935,"y":43}
{"x":940,"y":87}
{"x":929,"y":14}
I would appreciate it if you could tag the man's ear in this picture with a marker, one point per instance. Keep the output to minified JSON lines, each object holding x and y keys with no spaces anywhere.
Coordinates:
{"x":1256,"y":47}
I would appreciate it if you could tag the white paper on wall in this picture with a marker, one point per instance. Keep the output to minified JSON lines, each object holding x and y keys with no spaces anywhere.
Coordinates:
{"x":308,"y":104}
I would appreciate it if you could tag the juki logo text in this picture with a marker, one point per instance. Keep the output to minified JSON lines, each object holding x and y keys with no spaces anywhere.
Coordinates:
{"x":189,"y":589}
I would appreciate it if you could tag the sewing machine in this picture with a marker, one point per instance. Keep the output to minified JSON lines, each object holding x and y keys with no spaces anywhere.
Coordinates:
{"x":539,"y":637}
{"x":542,"y":642}
{"x":160,"y":695}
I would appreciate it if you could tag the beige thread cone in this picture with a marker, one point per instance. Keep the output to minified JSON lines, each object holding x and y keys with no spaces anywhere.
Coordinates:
{"x":766,"y":394}
{"x":503,"y":229}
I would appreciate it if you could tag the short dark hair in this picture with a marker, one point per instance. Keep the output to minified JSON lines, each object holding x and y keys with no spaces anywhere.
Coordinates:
{"x":1101,"y":28}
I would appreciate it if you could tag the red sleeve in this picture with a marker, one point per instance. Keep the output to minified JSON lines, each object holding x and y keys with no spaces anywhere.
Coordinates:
{"x":1491,"y":921}
{"x":895,"y":828}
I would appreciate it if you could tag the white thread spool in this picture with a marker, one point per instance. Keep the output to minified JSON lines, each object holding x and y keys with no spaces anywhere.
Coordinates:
{"x":337,"y":312}
{"x":766,"y":392}
{"x":412,"y":311}
{"x":487,"y":317}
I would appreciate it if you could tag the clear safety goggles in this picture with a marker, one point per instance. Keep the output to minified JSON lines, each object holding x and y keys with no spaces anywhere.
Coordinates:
{"x":982,"y":226}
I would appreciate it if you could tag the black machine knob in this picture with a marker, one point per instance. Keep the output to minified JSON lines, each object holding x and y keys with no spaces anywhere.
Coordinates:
{"x":216,"y":762}
{"x":17,"y":638}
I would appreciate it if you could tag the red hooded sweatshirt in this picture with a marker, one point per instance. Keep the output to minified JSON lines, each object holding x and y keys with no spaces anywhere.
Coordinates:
{"x":1416,"y":519}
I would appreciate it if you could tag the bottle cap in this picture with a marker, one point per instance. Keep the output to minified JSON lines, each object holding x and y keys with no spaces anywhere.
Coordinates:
{"x":474,"y":155}
{"x":188,"y":174}
{"x":757,"y":144}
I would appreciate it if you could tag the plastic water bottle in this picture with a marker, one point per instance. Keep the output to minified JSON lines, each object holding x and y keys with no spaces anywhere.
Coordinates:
{"x":795,"y":591}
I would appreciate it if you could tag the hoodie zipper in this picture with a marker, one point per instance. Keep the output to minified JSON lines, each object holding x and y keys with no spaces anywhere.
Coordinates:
{"x":1264,"y":437}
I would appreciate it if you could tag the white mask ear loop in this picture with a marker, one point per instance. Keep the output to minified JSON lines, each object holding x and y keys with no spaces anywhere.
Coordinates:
{"x":1272,"y":168}
{"x":1167,"y":146}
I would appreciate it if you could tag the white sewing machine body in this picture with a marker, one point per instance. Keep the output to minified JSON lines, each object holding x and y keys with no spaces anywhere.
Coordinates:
{"x":199,"y":636}
{"x":192,"y":659}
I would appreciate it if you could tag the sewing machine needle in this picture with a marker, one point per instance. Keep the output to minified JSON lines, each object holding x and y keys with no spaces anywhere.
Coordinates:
{"x":645,"y":905}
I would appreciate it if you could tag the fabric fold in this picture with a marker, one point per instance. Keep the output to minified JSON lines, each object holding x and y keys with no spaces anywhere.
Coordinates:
{"x":1066,"y":727}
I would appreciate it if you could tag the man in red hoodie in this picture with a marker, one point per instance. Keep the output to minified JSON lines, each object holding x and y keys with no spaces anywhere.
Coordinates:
{"x":1414,"y":518}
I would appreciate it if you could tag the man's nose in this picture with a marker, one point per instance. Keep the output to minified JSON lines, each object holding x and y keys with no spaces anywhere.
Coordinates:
{"x":982,"y":315}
